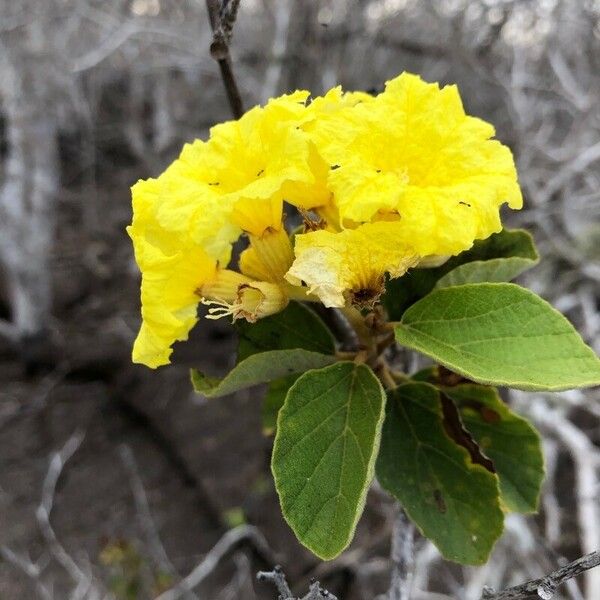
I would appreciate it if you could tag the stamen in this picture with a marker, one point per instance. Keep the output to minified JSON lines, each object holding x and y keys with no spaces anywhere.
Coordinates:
{"x":220,"y":308}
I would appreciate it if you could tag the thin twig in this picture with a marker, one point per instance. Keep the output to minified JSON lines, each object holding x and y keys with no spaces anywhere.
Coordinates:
{"x":145,"y":518}
{"x":231,"y":540}
{"x":222,"y":17}
{"x":277,"y":578}
{"x":403,"y":556}
{"x":546,"y":587}
{"x":84,"y":583}
{"x":30,"y":569}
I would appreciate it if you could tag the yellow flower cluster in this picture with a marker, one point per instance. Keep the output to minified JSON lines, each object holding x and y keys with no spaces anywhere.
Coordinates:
{"x":384,"y":183}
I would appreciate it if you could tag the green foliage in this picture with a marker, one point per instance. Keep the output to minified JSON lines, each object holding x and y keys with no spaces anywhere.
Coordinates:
{"x":259,"y":368}
{"x":452,"y":453}
{"x":295,"y":327}
{"x":273,"y":401}
{"x":512,"y":444}
{"x":452,"y":499}
{"x":499,"y":334}
{"x":327,"y":439}
{"x":509,"y":253}
{"x":494,"y":270}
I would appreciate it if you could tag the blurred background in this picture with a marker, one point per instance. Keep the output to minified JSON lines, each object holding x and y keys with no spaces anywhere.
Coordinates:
{"x":116,"y":481}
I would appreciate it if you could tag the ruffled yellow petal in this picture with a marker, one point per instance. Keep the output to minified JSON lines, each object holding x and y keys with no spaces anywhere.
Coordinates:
{"x":169,"y":299}
{"x":414,"y":153}
{"x":391,"y":180}
{"x":179,"y":232}
{"x":361,"y":192}
{"x":263,"y":159}
{"x":349,"y":267}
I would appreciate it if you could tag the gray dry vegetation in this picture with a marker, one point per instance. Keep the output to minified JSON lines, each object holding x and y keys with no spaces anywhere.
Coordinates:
{"x":115,"y":482}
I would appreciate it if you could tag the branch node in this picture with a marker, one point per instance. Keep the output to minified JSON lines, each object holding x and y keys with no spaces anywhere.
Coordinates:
{"x":546,"y":589}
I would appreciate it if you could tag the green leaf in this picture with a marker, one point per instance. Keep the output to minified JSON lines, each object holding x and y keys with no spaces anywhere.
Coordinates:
{"x":417,"y":283}
{"x":505,"y":244}
{"x":510,"y":441}
{"x":481,"y":271}
{"x":295,"y":327}
{"x":327,"y":439}
{"x":499,"y":334}
{"x":273,"y":401}
{"x":259,"y":368}
{"x":454,"y":502}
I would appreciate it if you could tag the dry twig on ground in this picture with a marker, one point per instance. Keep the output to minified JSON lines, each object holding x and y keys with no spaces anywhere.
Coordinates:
{"x":234,"y":538}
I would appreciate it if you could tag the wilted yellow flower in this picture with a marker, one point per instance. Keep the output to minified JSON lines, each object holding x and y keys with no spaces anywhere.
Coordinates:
{"x":242,"y":297}
{"x":349,"y":267}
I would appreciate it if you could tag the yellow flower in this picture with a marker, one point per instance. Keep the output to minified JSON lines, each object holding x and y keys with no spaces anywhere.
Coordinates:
{"x":263,"y":158}
{"x":242,"y":298}
{"x":174,"y":263}
{"x":414,"y":155}
{"x":384,"y":183}
{"x":349,"y":267}
{"x":326,"y":120}
{"x":186,"y":220}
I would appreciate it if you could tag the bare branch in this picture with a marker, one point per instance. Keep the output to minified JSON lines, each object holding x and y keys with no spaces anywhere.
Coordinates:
{"x":231,"y":540}
{"x":85,"y":586}
{"x":228,"y":15}
{"x":277,"y":578}
{"x":30,"y":569}
{"x":219,"y":49}
{"x":546,"y":587}
{"x":403,"y":548}
{"x":145,"y":517}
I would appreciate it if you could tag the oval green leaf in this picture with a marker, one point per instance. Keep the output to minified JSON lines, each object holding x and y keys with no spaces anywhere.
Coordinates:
{"x":454,"y":502}
{"x":327,"y":440}
{"x":417,"y":283}
{"x":259,"y":368}
{"x":510,"y":441}
{"x":481,"y":271}
{"x":273,"y":401}
{"x":295,"y":327}
{"x":500,"y":334}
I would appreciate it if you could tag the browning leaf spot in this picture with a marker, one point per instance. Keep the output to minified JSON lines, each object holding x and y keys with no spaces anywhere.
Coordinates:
{"x":489,"y":415}
{"x":439,"y":501}
{"x":456,"y":432}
